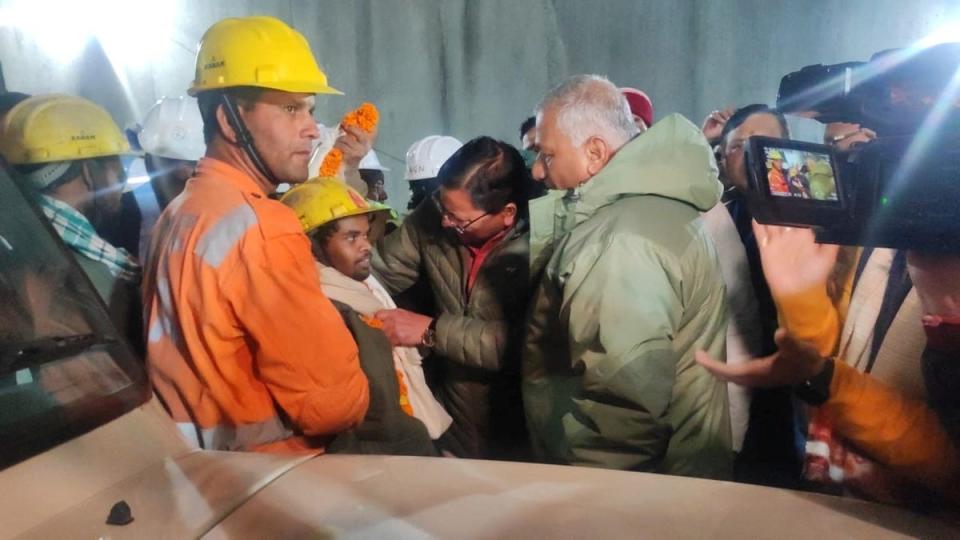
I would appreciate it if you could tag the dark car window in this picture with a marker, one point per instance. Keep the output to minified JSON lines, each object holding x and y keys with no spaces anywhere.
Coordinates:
{"x":64,"y":370}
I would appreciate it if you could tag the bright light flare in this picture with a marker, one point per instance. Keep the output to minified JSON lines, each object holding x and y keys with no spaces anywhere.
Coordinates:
{"x":132,"y":32}
{"x":948,"y":32}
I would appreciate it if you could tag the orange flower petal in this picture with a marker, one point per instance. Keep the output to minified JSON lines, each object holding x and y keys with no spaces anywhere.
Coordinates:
{"x":331,"y":163}
{"x":365,"y":117}
{"x":372,"y":322}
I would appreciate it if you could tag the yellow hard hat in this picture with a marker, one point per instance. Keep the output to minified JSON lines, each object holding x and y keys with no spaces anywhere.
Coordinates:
{"x":321,"y":200}
{"x":257,"y":51}
{"x":56,"y":127}
{"x":774,"y":154}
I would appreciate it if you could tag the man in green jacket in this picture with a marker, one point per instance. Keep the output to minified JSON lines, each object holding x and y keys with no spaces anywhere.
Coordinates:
{"x":630,"y":288}
{"x":469,"y":243}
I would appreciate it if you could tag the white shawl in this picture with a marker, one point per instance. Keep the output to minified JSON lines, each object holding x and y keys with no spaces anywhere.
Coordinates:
{"x":368,"y":297}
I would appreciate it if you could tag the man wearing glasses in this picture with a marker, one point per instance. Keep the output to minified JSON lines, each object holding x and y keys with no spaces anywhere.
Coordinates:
{"x":471,"y":246}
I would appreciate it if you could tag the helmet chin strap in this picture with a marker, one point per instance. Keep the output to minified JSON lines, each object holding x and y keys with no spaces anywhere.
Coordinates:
{"x":245,"y":139}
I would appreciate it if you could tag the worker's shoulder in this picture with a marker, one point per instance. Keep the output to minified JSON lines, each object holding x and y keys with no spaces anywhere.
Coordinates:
{"x":640,"y":225}
{"x":236,"y":219}
{"x":274,"y":219}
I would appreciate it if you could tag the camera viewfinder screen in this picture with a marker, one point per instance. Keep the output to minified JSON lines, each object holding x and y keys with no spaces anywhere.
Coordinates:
{"x":800,"y":174}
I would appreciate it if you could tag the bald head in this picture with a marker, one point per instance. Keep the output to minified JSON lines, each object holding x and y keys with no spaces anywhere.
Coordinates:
{"x":590,"y":106}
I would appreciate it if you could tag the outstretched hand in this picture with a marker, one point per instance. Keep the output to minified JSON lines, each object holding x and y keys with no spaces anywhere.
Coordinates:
{"x":793,"y":261}
{"x":794,"y":362}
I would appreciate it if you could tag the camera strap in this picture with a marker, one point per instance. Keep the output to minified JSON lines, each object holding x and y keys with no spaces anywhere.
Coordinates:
{"x":865,"y":255}
{"x":896,"y":291}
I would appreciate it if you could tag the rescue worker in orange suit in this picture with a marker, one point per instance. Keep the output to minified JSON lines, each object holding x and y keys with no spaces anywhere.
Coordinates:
{"x":244,"y":349}
{"x":775,"y":176}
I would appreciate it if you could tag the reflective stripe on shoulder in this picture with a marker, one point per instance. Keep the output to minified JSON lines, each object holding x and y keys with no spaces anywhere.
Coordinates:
{"x":221,"y":238}
{"x":164,"y":322}
{"x":242,"y":437}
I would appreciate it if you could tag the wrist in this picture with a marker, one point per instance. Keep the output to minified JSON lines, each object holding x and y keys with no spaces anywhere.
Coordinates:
{"x":816,"y":390}
{"x":429,"y":337}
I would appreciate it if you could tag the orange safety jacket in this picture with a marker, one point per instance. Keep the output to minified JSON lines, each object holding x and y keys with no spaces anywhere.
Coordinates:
{"x":244,"y":349}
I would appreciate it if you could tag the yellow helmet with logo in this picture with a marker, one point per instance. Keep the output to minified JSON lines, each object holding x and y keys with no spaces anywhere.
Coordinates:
{"x":257,"y":51}
{"x":775,"y":154}
{"x":321,"y":200}
{"x":56,"y":127}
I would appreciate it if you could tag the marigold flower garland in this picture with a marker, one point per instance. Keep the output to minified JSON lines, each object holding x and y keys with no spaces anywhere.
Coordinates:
{"x":365,"y":117}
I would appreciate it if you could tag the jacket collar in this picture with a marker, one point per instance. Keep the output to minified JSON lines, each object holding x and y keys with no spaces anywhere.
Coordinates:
{"x":221,"y":170}
{"x":670,"y":160}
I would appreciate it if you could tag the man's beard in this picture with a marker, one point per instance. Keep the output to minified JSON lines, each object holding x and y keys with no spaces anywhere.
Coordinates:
{"x":360,"y":275}
{"x":361,"y":269}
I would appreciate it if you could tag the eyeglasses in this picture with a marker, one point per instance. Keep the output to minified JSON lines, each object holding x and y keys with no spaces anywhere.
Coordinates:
{"x":458,"y":224}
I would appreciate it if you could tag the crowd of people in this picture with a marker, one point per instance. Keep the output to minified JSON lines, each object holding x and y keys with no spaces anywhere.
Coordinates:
{"x":596,"y":295}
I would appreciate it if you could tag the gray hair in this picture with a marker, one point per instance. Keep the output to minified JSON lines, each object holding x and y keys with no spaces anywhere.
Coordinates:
{"x":588,"y":106}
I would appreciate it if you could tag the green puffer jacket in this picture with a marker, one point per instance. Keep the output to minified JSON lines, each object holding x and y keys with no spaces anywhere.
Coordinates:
{"x":630,"y":288}
{"x":476,"y":361}
{"x":385,"y":429}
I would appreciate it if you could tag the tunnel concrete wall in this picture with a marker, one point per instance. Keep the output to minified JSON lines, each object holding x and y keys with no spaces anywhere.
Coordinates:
{"x":471,"y":67}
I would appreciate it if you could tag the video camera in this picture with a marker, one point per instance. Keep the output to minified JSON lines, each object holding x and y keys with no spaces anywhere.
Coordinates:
{"x":901,"y":190}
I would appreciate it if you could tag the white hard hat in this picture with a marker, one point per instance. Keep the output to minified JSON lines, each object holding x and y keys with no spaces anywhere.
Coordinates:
{"x":426,"y":156}
{"x":371,"y":161}
{"x":173,"y":129}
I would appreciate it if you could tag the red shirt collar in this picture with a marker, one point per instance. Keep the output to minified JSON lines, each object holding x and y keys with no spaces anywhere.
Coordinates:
{"x":488,"y":246}
{"x":480,"y":255}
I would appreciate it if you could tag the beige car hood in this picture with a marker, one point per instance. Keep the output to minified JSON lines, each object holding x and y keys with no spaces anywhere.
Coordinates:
{"x":174,"y":492}
{"x":140,"y":458}
{"x":177,"y":498}
{"x":396,"y":497}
